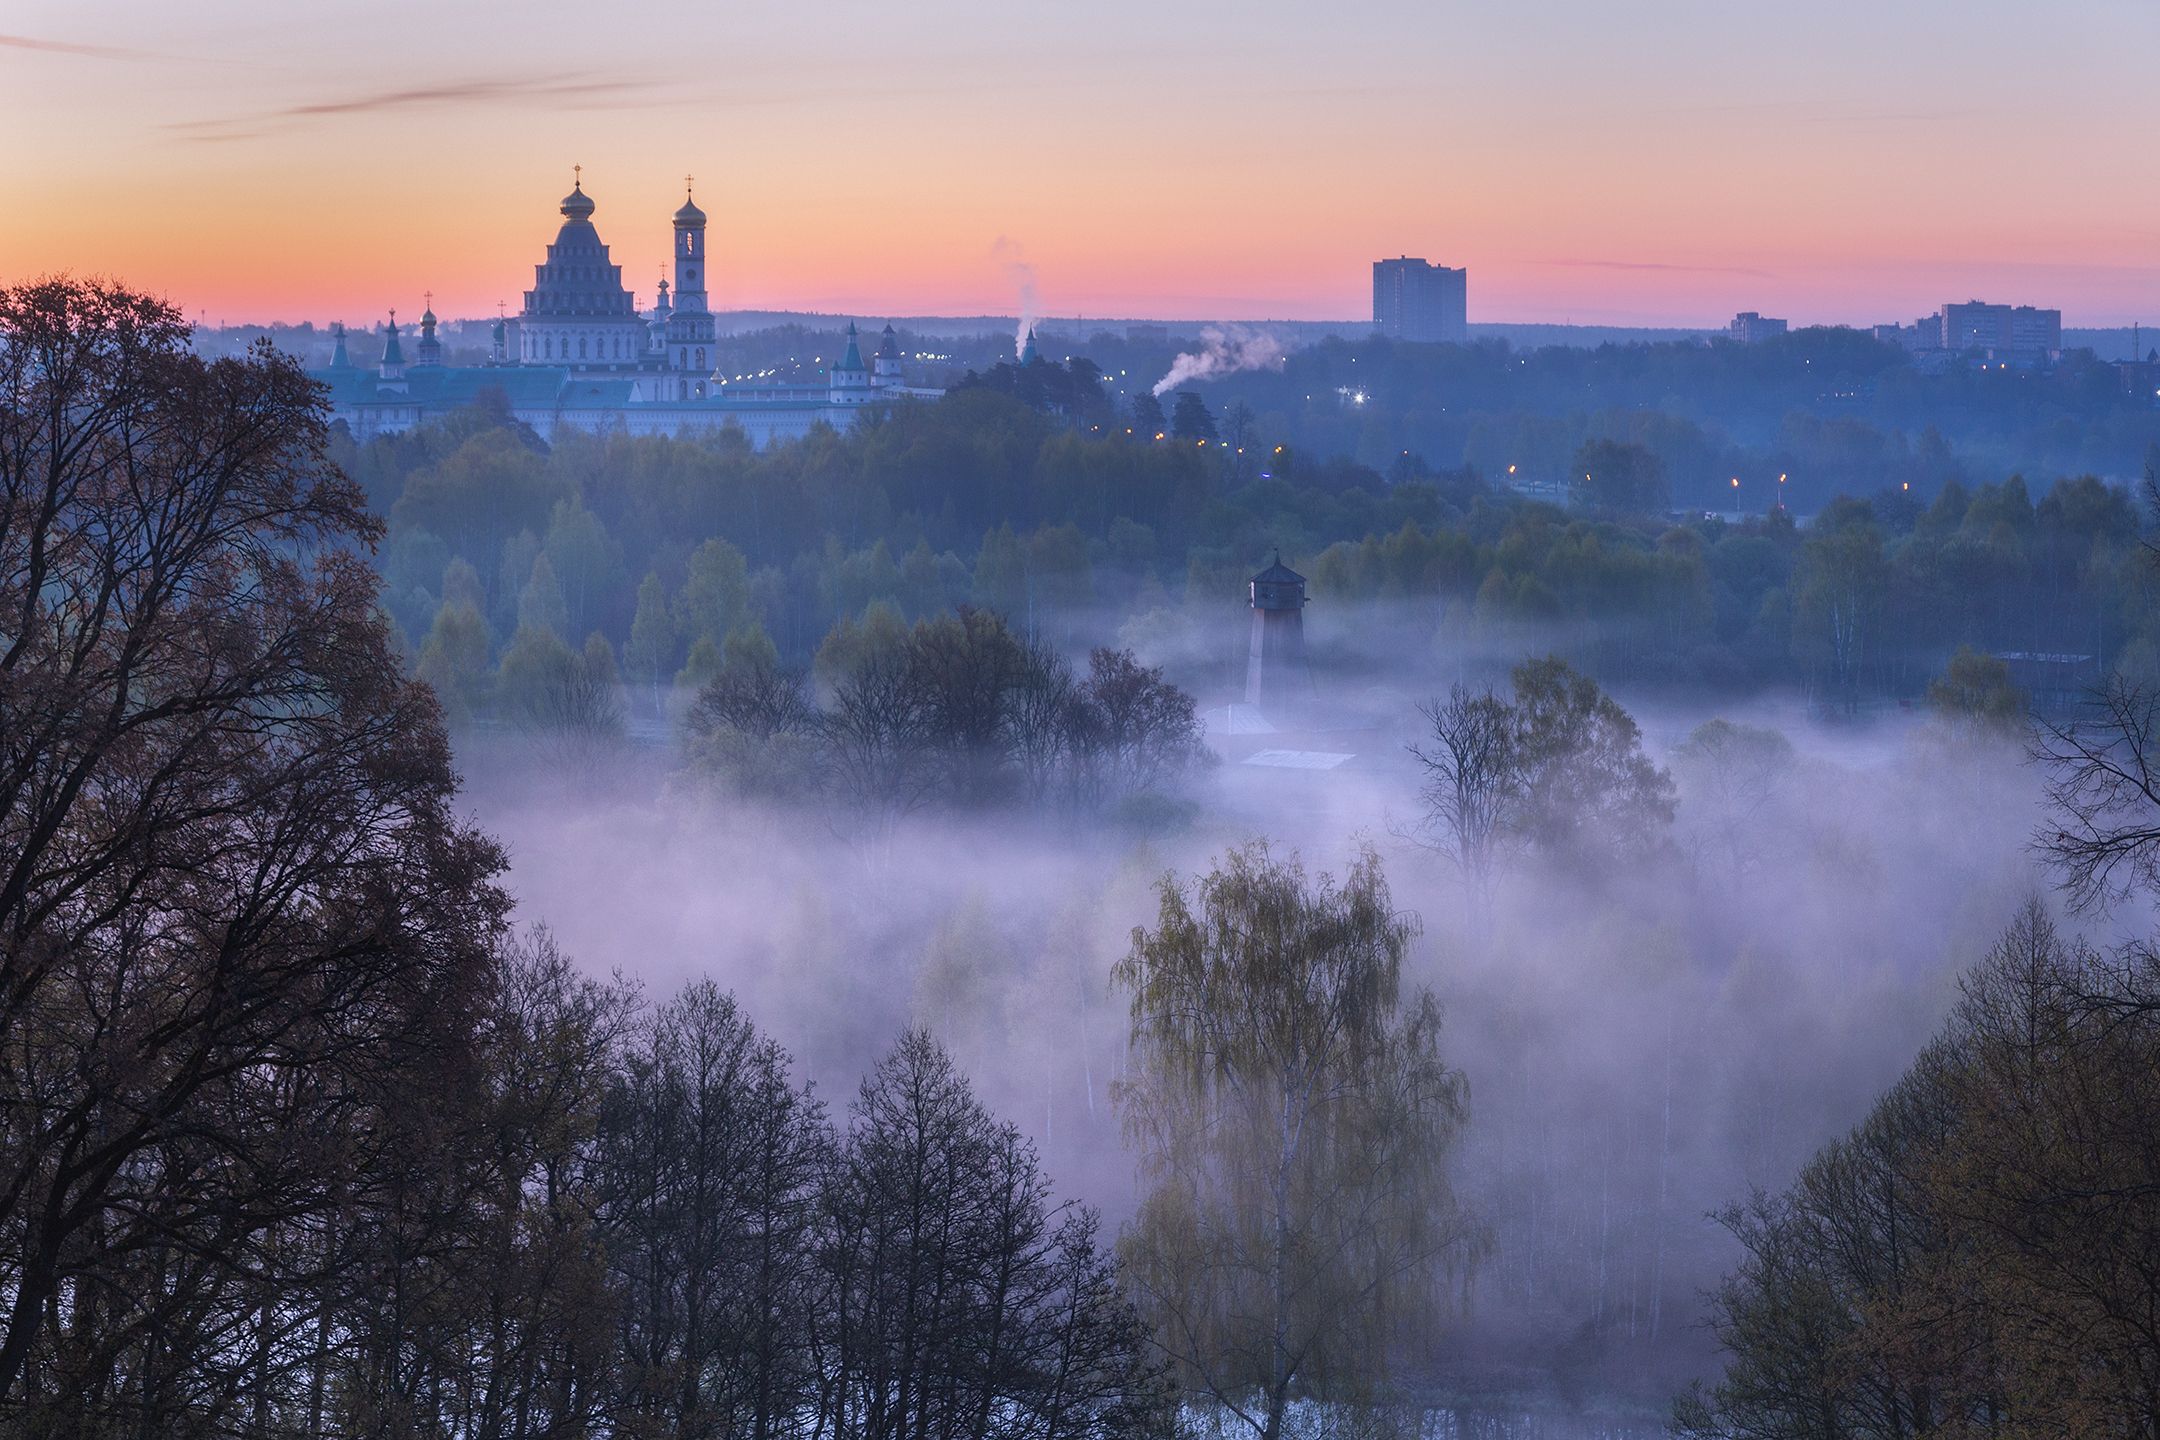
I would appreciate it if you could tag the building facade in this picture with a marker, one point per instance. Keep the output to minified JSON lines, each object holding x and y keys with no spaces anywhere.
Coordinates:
{"x":2005,"y":330}
{"x":1748,"y":327}
{"x":588,"y":359}
{"x":2020,"y":334}
{"x":1414,"y":300}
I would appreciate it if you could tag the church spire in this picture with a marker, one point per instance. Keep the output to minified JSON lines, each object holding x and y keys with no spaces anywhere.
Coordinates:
{"x":393,"y":355}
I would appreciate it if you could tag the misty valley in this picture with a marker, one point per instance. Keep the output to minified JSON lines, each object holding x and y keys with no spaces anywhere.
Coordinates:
{"x":1064,"y":913}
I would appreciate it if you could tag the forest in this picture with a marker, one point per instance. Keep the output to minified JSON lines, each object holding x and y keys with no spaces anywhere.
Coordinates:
{"x":1086,"y":535}
{"x":654,"y":938}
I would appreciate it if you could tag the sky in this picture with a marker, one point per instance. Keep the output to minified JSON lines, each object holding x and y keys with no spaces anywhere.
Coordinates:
{"x":1665,"y":162}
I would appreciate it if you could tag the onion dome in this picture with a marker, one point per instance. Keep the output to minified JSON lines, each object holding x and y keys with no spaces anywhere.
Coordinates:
{"x":577,"y":205}
{"x":689,"y":217}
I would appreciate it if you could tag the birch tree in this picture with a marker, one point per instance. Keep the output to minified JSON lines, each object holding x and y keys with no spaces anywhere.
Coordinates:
{"x":1294,"y":1117}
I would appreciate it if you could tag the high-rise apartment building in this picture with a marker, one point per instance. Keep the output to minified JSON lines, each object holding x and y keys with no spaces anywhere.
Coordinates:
{"x":1414,"y":300}
{"x":2001,"y":329}
{"x":1748,"y":327}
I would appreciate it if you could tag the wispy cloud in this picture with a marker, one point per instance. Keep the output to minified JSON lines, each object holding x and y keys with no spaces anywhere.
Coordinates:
{"x":1657,"y":265}
{"x":573,"y":90}
{"x":62,"y":47}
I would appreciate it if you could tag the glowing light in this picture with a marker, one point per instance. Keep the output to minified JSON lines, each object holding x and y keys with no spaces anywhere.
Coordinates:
{"x":1735,"y":482}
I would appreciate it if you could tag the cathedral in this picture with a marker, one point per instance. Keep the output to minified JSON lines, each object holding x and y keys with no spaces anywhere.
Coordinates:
{"x":587,"y":358}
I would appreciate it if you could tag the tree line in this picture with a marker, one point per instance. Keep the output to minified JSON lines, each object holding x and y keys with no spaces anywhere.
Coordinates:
{"x":955,"y":711}
{"x":662,"y":547}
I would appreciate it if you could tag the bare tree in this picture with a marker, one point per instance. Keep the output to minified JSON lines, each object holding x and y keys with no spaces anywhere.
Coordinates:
{"x":2103,"y":782}
{"x":1142,"y":730}
{"x":1039,"y":720}
{"x":964,"y":1303}
{"x":1472,"y":780}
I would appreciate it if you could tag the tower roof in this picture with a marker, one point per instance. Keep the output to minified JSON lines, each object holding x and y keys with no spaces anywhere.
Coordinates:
{"x":889,"y":345}
{"x":578,"y":281}
{"x":577,"y":205}
{"x":1278,"y":574}
{"x":1028,"y":353}
{"x":392,"y":353}
{"x":852,"y":360}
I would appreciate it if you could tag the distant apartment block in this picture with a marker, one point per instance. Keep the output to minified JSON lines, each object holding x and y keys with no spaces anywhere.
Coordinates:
{"x":2005,"y":330}
{"x":1748,"y":327}
{"x":2023,"y":333}
{"x":1414,"y":300}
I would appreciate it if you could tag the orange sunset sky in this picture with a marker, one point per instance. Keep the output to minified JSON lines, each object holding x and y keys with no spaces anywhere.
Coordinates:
{"x":1654,"y":163}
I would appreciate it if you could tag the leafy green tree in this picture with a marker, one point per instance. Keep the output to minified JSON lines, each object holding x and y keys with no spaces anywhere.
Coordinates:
{"x":1294,"y":1118}
{"x":540,"y":603}
{"x":1588,"y":792}
{"x":492,"y":486}
{"x":1731,"y":779}
{"x":550,"y":691}
{"x":587,"y":563}
{"x":1618,"y":478}
{"x":454,"y":658}
{"x":715,"y":594}
{"x":753,"y":728}
{"x":1843,"y":581}
{"x":461,"y":585}
{"x":1975,"y":694}
{"x":881,"y":634}
{"x":649,"y":656}
{"x":1001,"y":573}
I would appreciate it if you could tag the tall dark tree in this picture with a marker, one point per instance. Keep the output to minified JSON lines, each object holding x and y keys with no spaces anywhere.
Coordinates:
{"x":1148,"y":419}
{"x":232,"y":889}
{"x":966,"y":1304}
{"x":1189,"y":418}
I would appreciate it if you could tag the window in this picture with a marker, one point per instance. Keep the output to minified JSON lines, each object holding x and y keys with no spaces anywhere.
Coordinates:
{"x":581,"y":347}
{"x":701,"y":357}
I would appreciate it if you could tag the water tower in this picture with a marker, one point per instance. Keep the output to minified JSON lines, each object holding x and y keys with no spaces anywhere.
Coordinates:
{"x":1275,"y":671}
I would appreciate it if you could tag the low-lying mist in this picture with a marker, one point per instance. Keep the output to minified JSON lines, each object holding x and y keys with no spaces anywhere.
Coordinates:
{"x":1644,"y":1042}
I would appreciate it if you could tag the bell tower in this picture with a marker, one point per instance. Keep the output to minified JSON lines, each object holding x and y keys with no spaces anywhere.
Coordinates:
{"x":690,"y":331}
{"x":689,"y":254}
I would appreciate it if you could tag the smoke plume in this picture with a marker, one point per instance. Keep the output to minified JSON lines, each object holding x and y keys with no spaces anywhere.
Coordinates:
{"x":1223,"y":350}
{"x":1022,"y":275}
